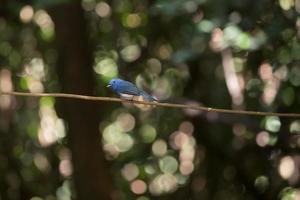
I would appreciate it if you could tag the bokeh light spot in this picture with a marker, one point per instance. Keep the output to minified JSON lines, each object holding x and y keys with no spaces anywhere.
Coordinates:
{"x":131,"y":53}
{"x":272,"y":124}
{"x":106,"y":67}
{"x":186,"y":167}
{"x":126,"y":122}
{"x":44,"y":21}
{"x":295,"y":126}
{"x":262,"y":138}
{"x":186,"y":127}
{"x":41,"y":162}
{"x":130,"y":171}
{"x":181,"y":139}
{"x":149,"y":169}
{"x":163,"y":89}
{"x":286,"y":167}
{"x":168,"y":164}
{"x":125,"y":142}
{"x":165,"y":51}
{"x":286,"y":4}
{"x":261,"y":183}
{"x":206,"y":26}
{"x":138,"y":187}
{"x":187,"y":153}
{"x":154,"y":65}
{"x":6,"y":85}
{"x":26,"y":14}
{"x":65,"y":167}
{"x":159,"y":147}
{"x":163,"y":183}
{"x":103,"y":9}
{"x":148,"y":133}
{"x":133,"y":20}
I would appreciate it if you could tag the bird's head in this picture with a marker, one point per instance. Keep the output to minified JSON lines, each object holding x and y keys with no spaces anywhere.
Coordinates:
{"x":113,"y":83}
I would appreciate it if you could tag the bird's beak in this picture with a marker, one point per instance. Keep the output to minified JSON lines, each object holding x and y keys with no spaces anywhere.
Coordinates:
{"x":108,"y":85}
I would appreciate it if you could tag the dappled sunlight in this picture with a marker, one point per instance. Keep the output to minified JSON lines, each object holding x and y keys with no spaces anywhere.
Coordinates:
{"x":232,"y":79}
{"x":272,"y":124}
{"x":103,"y":9}
{"x":138,"y":187}
{"x":65,"y":164}
{"x":111,"y":150}
{"x":295,"y":127}
{"x":26,"y":14}
{"x":233,"y":36}
{"x":148,"y":133}
{"x":236,"y":55}
{"x":186,"y":167}
{"x":289,"y":193}
{"x":294,"y":75}
{"x":187,"y":127}
{"x":65,"y":168}
{"x":6,"y":86}
{"x":159,"y":148}
{"x":130,"y":171}
{"x":51,"y":128}
{"x":88,"y":5}
{"x":205,"y":26}
{"x":216,"y":43}
{"x":64,"y":191}
{"x":154,"y":65}
{"x":179,"y":140}
{"x":262,"y":138}
{"x":44,"y":21}
{"x":164,"y":170}
{"x":115,"y":136}
{"x":272,"y":81}
{"x":126,"y":122}
{"x":132,"y":20}
{"x":131,"y":53}
{"x":163,"y":183}
{"x":286,"y":167}
{"x":262,"y":183}
{"x":34,"y":74}
{"x":106,"y":67}
{"x":41,"y":162}
{"x":164,"y":51}
{"x":168,"y":164}
{"x":286,"y":4}
{"x":162,"y":88}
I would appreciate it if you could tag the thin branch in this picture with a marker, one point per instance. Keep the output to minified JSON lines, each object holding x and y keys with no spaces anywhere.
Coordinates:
{"x":170,"y":105}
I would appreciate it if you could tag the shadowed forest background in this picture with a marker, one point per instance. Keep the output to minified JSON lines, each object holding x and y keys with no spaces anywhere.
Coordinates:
{"x":234,"y":54}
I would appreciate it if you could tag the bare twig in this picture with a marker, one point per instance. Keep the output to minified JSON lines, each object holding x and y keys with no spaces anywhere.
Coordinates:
{"x":170,"y":105}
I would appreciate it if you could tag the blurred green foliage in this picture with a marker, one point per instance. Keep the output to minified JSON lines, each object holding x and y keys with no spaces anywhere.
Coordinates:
{"x":238,"y":54}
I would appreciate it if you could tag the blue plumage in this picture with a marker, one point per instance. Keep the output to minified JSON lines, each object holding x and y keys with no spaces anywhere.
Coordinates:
{"x":129,"y":91}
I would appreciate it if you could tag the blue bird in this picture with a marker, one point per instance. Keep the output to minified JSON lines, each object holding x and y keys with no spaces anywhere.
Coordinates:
{"x":130,"y":91}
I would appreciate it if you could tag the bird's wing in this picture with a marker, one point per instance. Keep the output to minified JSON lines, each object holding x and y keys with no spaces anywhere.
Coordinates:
{"x":128,"y":88}
{"x":148,"y":97}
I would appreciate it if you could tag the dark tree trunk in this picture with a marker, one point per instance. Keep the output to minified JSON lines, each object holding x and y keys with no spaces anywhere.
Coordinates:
{"x":92,"y":178}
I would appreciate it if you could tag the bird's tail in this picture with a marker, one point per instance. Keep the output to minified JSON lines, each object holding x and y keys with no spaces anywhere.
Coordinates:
{"x":148,"y":97}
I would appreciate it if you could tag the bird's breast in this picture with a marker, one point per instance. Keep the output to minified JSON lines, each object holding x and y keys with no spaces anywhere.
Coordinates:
{"x":127,"y":96}
{"x":137,"y":98}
